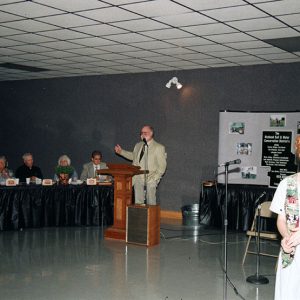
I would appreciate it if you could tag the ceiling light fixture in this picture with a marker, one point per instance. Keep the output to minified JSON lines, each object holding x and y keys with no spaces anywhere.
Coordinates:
{"x":175,"y":81}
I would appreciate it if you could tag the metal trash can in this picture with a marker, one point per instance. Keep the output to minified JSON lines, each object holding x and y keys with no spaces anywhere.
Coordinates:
{"x":190,"y":215}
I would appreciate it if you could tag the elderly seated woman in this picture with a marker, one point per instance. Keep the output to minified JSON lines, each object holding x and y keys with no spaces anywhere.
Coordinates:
{"x":4,"y":171}
{"x":64,"y":161}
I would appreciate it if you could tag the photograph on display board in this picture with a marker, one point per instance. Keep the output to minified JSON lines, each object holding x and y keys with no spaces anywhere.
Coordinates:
{"x":244,"y":148}
{"x":277,"y":120}
{"x":249,"y":172}
{"x":237,"y":128}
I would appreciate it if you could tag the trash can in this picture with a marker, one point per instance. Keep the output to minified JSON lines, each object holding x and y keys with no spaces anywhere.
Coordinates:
{"x":190,"y":215}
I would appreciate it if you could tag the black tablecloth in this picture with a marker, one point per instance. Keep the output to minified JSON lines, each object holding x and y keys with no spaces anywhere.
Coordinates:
{"x":57,"y":205}
{"x":241,"y":204}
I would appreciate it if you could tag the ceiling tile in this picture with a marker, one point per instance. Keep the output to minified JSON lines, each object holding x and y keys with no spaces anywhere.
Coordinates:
{"x":167,"y":34}
{"x":209,"y":48}
{"x":163,"y":58}
{"x":209,"y":29}
{"x":77,"y":5}
{"x":277,"y":55}
{"x":61,"y":45}
{"x":56,"y":61}
{"x":93,"y":42}
{"x":227,"y":53}
{"x":267,"y":50}
{"x":130,"y":38}
{"x":280,"y":7}
{"x":7,"y":42}
{"x":192,"y":56}
{"x":247,"y":45}
{"x":86,"y":51}
{"x":9,"y":51}
{"x":210,"y":4}
{"x":180,"y":63}
{"x":292,"y":20}
{"x":31,"y":38}
{"x":109,"y":14}
{"x":29,"y":9}
{"x":235,"y":13}
{"x":230,"y":37}
{"x":141,"y":25}
{"x":6,"y":17}
{"x":118,"y":48}
{"x":192,"y":41}
{"x":286,"y":60}
{"x":241,"y":59}
{"x":30,"y":26}
{"x":153,"y":45}
{"x":275,"y":33}
{"x":67,"y":20}
{"x":172,"y":51}
{"x":157,"y":8}
{"x":33,"y":57}
{"x":122,"y":2}
{"x":208,"y":61}
{"x":57,"y":54}
{"x":64,"y":34}
{"x":256,"y":24}
{"x":192,"y":18}
{"x":140,"y":54}
{"x":82,"y":59}
{"x":132,"y":61}
{"x":100,"y":30}
{"x":31,"y":48}
{"x":5,"y":31}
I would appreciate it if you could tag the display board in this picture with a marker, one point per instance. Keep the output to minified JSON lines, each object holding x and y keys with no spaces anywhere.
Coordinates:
{"x":263,"y":143}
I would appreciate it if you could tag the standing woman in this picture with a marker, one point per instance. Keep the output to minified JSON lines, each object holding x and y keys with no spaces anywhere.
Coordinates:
{"x":286,"y":204}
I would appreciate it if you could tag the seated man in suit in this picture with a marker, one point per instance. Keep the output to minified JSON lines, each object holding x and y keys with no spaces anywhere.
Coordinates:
{"x":28,"y":170}
{"x":90,"y":169}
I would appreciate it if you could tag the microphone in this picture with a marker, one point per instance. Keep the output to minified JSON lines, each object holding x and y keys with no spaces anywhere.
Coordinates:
{"x":257,"y":201}
{"x":144,"y":140}
{"x":232,"y":162}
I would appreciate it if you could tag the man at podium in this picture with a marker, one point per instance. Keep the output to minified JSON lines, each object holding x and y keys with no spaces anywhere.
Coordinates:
{"x":149,"y":155}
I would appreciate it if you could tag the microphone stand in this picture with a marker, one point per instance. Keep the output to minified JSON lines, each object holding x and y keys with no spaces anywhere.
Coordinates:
{"x":145,"y":173}
{"x":256,"y":278}
{"x":236,"y":161}
{"x":225,"y":234}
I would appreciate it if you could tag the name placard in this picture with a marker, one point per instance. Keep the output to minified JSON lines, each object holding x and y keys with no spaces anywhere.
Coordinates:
{"x":11,"y":182}
{"x":91,"y":181}
{"x":47,"y":182}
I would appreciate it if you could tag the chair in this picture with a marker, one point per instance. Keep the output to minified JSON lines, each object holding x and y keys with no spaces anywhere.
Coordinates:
{"x":269,"y":235}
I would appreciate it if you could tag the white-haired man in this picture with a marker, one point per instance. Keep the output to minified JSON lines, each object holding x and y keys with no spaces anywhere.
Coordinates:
{"x":149,"y":155}
{"x":28,"y":170}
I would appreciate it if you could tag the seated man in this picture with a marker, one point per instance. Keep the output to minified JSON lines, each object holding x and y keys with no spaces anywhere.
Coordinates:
{"x":28,"y":170}
{"x":90,"y":169}
{"x":4,"y":171}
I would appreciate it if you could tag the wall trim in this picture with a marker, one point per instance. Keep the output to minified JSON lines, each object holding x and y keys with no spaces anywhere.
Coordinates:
{"x":171,"y":214}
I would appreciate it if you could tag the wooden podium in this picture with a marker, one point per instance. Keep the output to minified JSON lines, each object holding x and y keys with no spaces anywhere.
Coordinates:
{"x":122,"y":174}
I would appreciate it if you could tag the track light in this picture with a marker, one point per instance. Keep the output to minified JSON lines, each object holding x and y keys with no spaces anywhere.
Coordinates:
{"x":174,"y":80}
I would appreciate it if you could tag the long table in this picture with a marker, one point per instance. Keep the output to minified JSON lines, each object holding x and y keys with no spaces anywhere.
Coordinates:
{"x":241,"y":204}
{"x":30,"y":206}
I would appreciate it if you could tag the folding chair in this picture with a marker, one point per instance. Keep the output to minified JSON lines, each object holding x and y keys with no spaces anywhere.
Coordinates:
{"x":268,"y":235}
